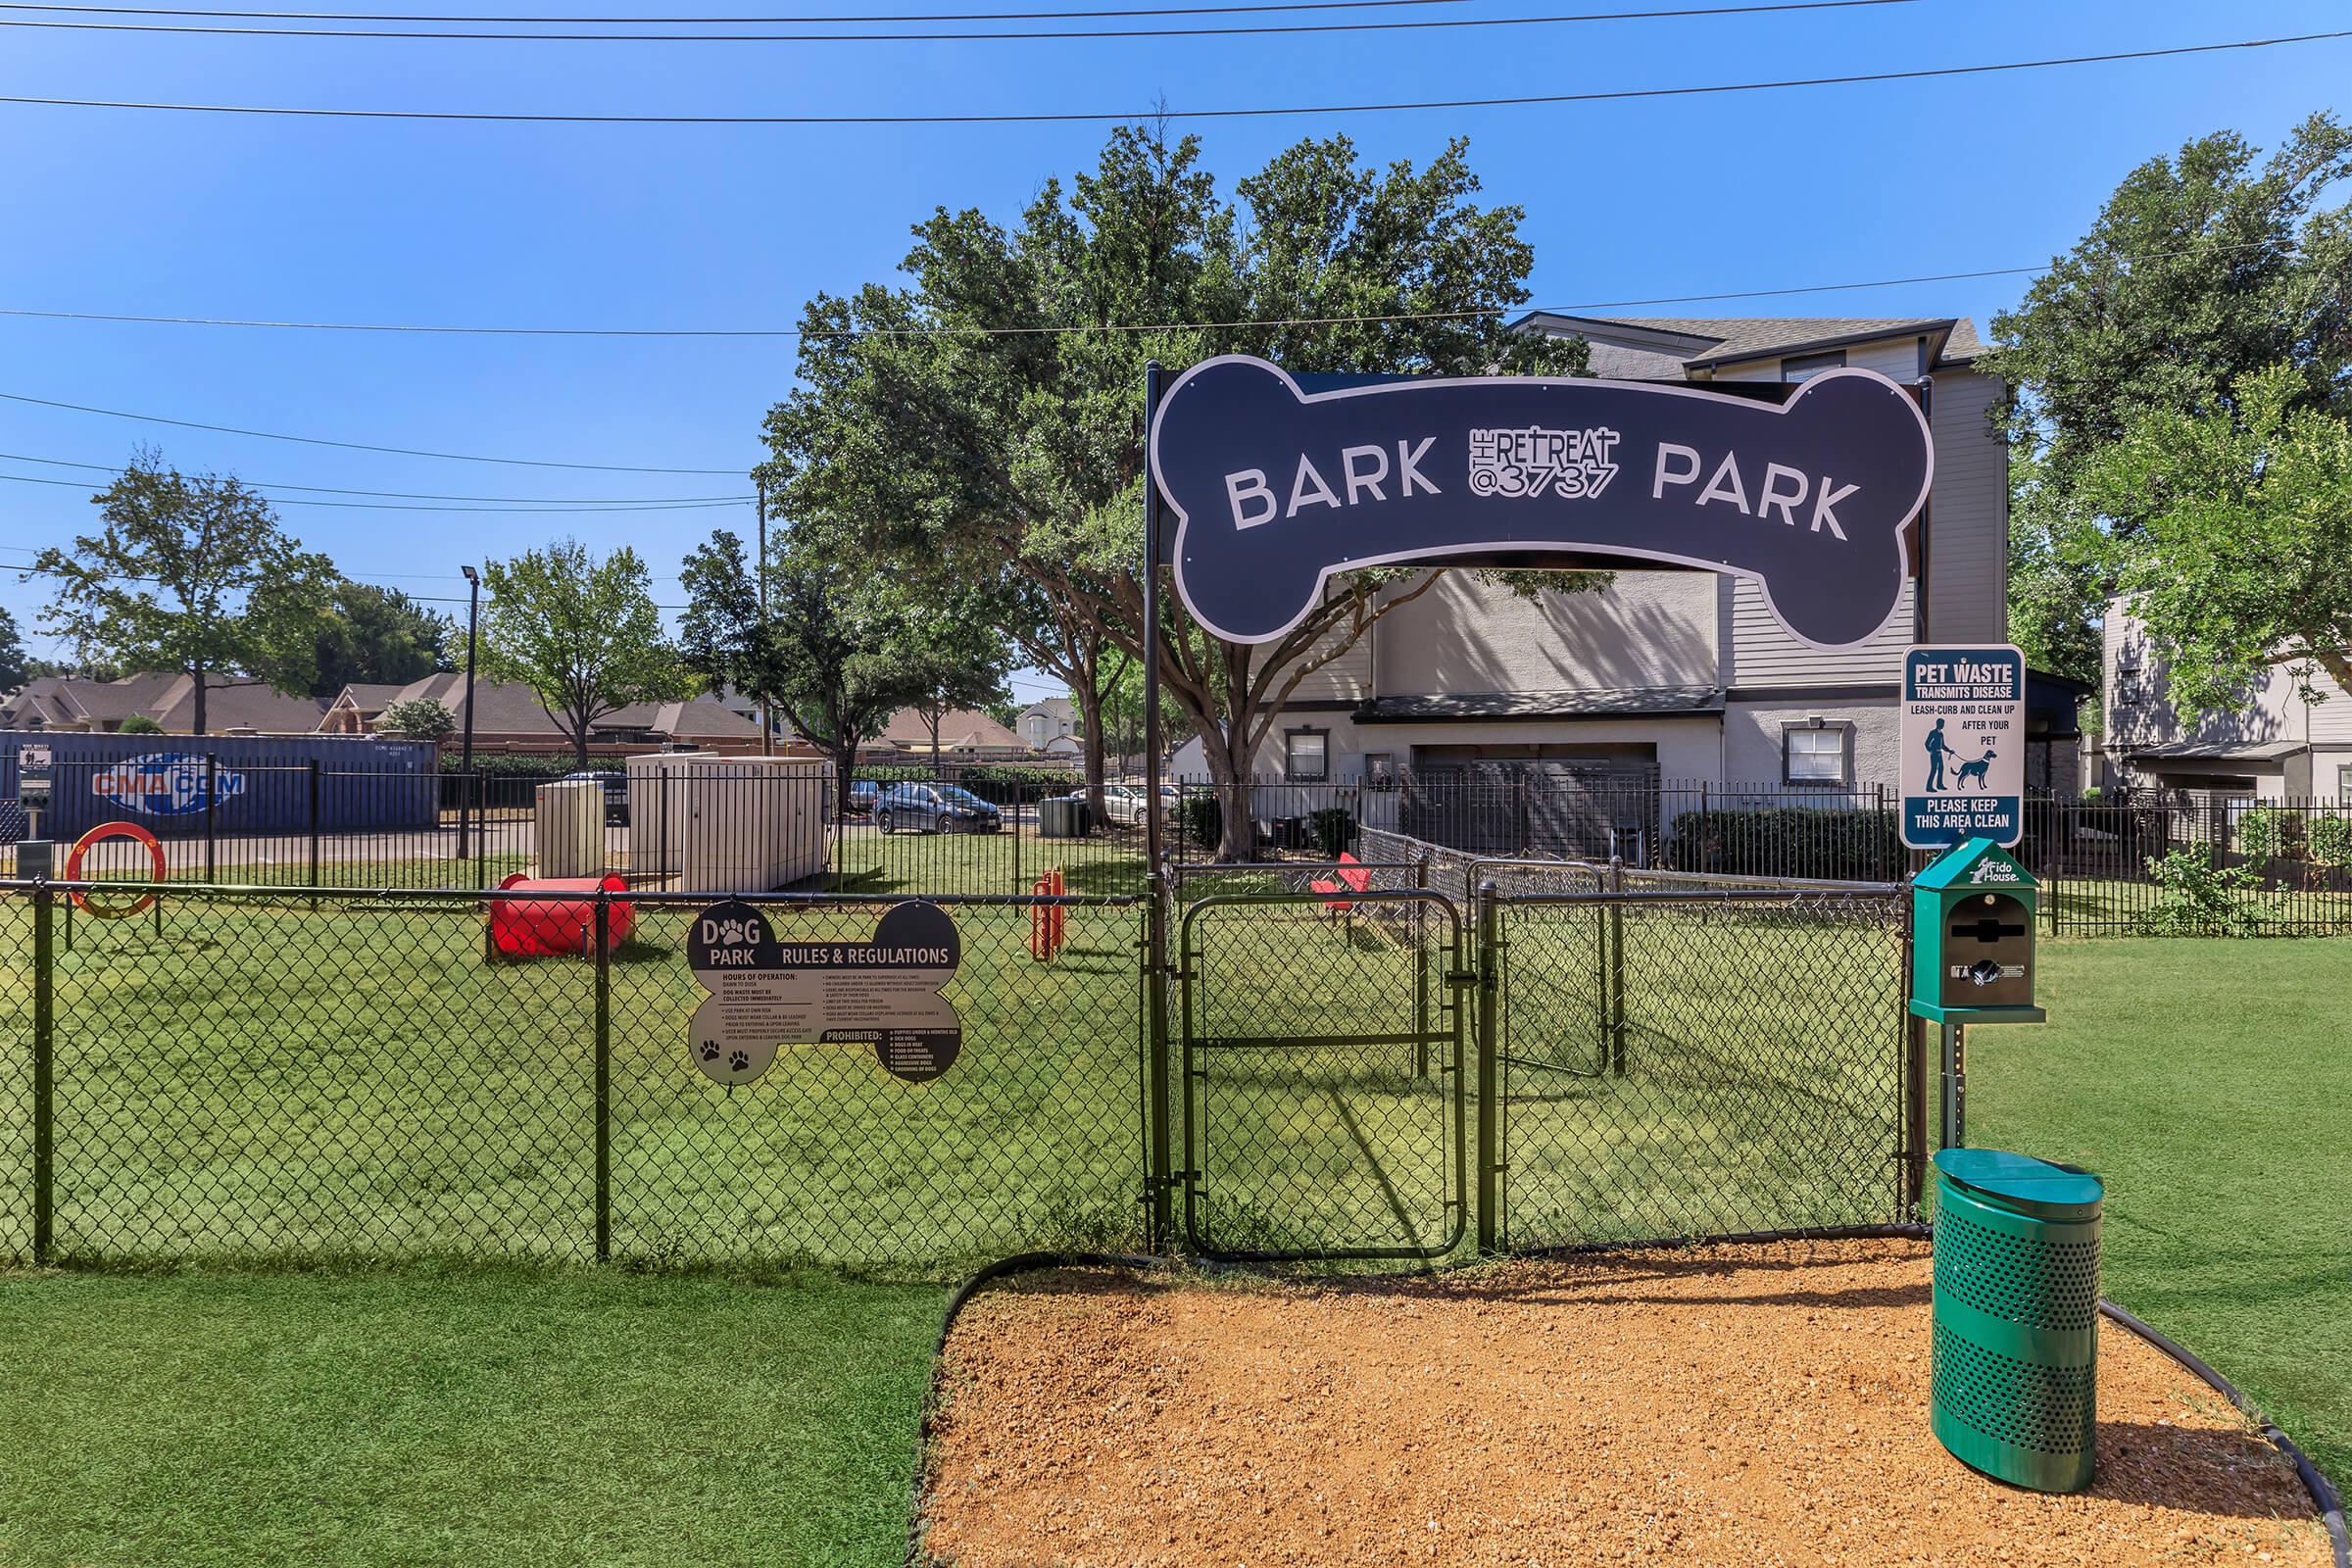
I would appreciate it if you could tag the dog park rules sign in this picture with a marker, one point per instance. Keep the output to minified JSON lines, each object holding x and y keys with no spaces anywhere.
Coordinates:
{"x":768,"y":992}
{"x":1276,"y":488}
{"x":1963,"y":740}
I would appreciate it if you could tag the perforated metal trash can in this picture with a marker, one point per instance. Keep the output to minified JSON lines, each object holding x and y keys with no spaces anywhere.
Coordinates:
{"x":2017,"y":1316}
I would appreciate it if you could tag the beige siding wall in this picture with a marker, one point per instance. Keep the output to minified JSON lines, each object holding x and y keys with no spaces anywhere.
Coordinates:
{"x":1762,"y":654}
{"x":1647,"y":628}
{"x":1897,"y":358}
{"x":1349,"y":676}
{"x":2273,"y":711}
{"x":1968,"y":517}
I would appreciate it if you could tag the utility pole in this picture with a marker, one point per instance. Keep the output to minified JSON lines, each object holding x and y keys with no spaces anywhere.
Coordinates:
{"x":473,"y":617}
{"x":767,"y":715}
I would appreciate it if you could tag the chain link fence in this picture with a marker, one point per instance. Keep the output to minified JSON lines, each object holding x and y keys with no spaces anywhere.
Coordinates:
{"x":324,"y":1075}
{"x":1690,"y":1064}
{"x":1351,"y":1068}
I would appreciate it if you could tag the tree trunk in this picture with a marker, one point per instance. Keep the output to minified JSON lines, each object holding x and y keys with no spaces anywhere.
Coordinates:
{"x":579,"y":747}
{"x":200,"y":706}
{"x":1229,"y":781}
{"x":844,"y":765}
{"x":1090,"y":725}
{"x":934,"y":717}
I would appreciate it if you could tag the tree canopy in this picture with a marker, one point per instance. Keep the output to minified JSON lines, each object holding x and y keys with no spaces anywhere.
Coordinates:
{"x":379,"y":635}
{"x":999,"y":451}
{"x":583,"y":634}
{"x":824,"y":654}
{"x":2243,"y":558}
{"x":2201,"y":271}
{"x":189,"y":573}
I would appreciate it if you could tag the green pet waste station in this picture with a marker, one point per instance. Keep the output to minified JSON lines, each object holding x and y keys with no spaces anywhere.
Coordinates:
{"x":2017,"y":1316}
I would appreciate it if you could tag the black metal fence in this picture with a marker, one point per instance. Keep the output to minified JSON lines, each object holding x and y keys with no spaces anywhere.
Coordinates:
{"x":318,"y":1073}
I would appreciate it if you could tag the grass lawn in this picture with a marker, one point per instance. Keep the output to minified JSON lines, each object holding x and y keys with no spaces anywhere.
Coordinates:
{"x":2210,"y":1084}
{"x":475,"y":1418}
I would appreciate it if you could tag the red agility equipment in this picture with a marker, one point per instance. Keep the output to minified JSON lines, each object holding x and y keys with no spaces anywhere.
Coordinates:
{"x":118,"y":830}
{"x":558,"y":927}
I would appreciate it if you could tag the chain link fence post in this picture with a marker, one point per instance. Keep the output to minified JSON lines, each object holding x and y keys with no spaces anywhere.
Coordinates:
{"x":1156,"y":987}
{"x":1616,"y":940}
{"x":603,"y":1075}
{"x":44,"y":1088}
{"x":1490,"y":985}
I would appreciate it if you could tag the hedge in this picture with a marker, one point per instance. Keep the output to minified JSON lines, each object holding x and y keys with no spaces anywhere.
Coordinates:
{"x":528,"y":765}
{"x":1789,"y":841}
{"x":998,"y":783}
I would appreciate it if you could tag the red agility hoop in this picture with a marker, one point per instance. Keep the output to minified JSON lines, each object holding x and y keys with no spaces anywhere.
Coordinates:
{"x":116,"y":830}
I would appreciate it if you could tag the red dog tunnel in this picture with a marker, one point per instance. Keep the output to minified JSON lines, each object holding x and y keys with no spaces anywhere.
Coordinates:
{"x":557,"y":926}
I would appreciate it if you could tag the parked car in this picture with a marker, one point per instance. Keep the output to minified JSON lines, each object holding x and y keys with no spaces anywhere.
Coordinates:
{"x":1124,"y":803}
{"x":935,"y":809}
{"x":616,"y":793}
{"x":862,"y":795}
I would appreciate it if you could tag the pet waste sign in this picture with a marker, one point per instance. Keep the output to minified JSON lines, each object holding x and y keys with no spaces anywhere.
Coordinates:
{"x":768,"y":991}
{"x":1963,"y":741}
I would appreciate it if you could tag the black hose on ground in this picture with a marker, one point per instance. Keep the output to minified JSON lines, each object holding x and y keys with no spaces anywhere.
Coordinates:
{"x":2324,"y":1500}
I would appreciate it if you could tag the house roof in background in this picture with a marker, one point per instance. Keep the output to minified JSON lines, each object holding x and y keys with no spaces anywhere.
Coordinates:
{"x":1058,"y":706}
{"x":959,"y":730}
{"x":1631,"y":701}
{"x":1662,"y":348}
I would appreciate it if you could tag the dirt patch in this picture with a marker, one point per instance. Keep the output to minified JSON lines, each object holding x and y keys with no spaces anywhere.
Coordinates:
{"x":1735,"y":1406}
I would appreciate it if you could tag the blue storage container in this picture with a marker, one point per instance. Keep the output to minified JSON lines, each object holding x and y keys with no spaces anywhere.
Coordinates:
{"x":184,"y":786}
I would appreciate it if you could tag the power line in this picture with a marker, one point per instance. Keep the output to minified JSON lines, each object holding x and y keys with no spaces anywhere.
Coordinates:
{"x":1260,"y":29}
{"x":1921,"y":74}
{"x":360,"y":445}
{"x":24,"y":571}
{"x":1259,"y":323}
{"x":413,"y":495}
{"x":734,"y":21}
{"x":393,"y":505}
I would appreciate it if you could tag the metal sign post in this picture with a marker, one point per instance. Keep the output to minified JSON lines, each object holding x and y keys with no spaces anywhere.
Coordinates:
{"x":1160,"y":1208}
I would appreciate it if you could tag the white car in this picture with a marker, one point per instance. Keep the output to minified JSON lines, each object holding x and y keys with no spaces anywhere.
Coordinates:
{"x":1124,"y":803}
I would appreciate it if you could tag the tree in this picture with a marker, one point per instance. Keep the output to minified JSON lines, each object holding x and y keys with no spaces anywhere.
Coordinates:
{"x":823,"y":653}
{"x":421,"y":719}
{"x":16,"y":666}
{"x":190,"y":575}
{"x":1122,"y":716}
{"x":583,"y":634}
{"x":380,"y":636}
{"x":138,"y":724}
{"x":1019,"y":450}
{"x":2200,"y":270}
{"x":2243,"y":561}
{"x":951,"y":650}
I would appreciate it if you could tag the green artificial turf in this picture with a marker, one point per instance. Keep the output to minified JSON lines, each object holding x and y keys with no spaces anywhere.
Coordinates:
{"x":2209,"y":1083}
{"x":475,"y":1418}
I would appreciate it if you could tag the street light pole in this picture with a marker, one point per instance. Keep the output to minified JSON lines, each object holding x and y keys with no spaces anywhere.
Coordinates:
{"x":767,"y":715}
{"x":473,"y":616}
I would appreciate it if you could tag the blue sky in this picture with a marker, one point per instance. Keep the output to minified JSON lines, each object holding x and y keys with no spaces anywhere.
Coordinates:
{"x":162,"y":213}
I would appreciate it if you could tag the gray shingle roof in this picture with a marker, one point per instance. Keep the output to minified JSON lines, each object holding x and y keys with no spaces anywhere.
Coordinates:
{"x":1717,"y":339}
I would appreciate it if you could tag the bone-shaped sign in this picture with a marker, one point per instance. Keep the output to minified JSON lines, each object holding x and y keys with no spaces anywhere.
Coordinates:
{"x":768,"y":992}
{"x":1275,"y":489}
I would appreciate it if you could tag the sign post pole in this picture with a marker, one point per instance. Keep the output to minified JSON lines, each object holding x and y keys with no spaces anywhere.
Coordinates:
{"x":1155,"y":912}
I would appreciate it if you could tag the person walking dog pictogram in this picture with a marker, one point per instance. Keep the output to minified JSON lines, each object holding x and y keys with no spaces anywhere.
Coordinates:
{"x":1937,"y":750}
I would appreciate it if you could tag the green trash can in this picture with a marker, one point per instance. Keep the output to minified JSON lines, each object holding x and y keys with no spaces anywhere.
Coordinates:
{"x":2015,"y":1336}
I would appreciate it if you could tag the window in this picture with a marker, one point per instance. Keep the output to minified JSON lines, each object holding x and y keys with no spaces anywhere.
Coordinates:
{"x":1306,"y":755}
{"x":1817,"y":754}
{"x":1804,"y":367}
{"x":2343,"y":786}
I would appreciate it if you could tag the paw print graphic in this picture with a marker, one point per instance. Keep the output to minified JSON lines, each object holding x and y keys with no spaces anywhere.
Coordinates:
{"x":738,"y":1060}
{"x":709,"y":1051}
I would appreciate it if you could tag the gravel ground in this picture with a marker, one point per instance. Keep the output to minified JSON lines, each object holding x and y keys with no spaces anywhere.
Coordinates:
{"x":1733,"y":1406}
